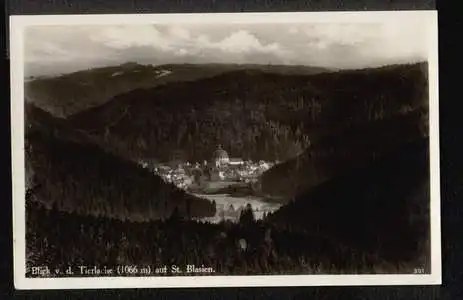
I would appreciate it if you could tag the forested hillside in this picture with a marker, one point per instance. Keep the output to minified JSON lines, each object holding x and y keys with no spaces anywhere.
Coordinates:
{"x":65,"y":170}
{"x":253,"y":114}
{"x":58,"y":240}
{"x":381,"y":207}
{"x":71,"y":93}
{"x":347,"y":149}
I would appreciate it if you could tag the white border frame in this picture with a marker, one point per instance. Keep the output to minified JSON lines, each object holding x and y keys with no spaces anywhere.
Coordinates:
{"x":19,"y":23}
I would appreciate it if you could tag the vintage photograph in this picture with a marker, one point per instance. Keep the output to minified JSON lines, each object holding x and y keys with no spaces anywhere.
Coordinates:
{"x":227,"y":146}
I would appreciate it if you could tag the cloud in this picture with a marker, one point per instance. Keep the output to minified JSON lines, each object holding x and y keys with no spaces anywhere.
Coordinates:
{"x":50,"y":51}
{"x":181,"y":52}
{"x":180,"y":33}
{"x":293,"y":30}
{"x":180,"y":40}
{"x":242,"y":41}
{"x":123,"y":37}
{"x":341,"y":34}
{"x":62,"y":43}
{"x":361,"y":45}
{"x":402,"y":40}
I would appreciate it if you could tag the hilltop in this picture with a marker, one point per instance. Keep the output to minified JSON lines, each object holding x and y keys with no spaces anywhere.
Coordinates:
{"x":71,"y":93}
{"x":66,"y":170}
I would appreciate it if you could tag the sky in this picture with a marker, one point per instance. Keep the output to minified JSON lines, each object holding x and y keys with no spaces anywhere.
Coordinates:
{"x":51,"y":50}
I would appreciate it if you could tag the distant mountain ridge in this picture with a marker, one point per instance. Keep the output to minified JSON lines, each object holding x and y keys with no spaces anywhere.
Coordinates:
{"x":66,"y":170}
{"x":71,"y":93}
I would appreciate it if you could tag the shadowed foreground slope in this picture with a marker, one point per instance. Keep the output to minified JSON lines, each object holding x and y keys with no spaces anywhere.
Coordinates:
{"x":66,"y":170}
{"x":381,"y":207}
{"x":362,"y":223}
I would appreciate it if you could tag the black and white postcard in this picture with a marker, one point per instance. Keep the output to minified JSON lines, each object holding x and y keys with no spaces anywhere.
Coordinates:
{"x":214,"y":150}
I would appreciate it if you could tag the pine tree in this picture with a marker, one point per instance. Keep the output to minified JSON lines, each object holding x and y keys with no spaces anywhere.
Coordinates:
{"x":188,"y":207}
{"x":175,"y":216}
{"x":247,"y":215}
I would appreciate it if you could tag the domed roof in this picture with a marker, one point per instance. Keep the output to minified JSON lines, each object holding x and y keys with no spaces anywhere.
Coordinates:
{"x":220,"y":153}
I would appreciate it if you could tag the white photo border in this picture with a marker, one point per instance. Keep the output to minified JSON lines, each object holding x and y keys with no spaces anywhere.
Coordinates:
{"x":17,"y":25}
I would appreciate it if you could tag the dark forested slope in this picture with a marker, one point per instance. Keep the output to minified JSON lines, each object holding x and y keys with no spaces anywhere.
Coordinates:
{"x":58,"y":240}
{"x":381,"y":207}
{"x":253,"y":114}
{"x":346,"y":149}
{"x":66,"y":170}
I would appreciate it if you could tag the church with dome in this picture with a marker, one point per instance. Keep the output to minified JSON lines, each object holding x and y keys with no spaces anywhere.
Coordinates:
{"x":221,"y":162}
{"x":220,"y":157}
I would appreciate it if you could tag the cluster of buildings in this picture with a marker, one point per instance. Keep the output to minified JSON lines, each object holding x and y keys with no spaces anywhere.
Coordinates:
{"x":220,"y":168}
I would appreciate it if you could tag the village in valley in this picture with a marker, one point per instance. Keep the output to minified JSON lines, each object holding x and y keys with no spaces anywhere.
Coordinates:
{"x":220,"y":168}
{"x":230,"y":182}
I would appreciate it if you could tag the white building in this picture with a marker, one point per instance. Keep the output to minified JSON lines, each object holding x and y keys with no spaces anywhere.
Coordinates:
{"x":235,"y":162}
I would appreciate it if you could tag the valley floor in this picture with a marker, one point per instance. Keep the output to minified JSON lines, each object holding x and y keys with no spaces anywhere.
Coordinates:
{"x":229,"y":207}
